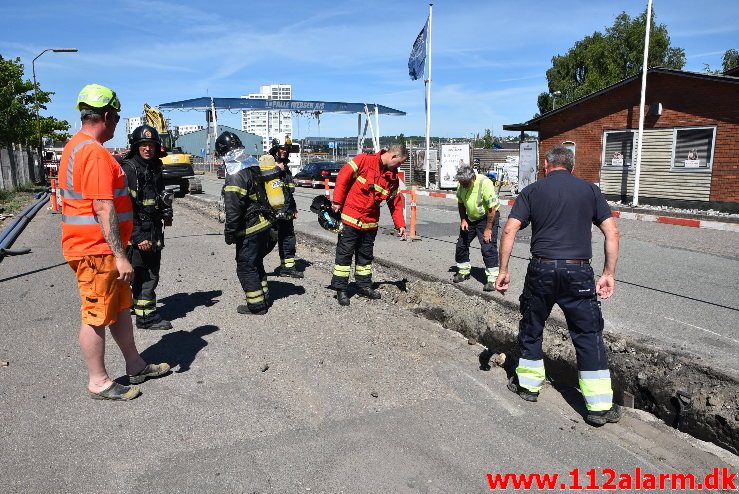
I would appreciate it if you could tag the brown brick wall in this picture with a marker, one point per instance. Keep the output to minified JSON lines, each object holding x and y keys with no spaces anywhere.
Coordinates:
{"x":685,"y":101}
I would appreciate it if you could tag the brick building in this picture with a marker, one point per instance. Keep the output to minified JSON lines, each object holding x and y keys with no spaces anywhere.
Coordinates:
{"x":690,"y":154}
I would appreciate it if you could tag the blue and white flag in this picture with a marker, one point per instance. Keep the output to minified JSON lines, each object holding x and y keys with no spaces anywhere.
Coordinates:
{"x":417,"y":60}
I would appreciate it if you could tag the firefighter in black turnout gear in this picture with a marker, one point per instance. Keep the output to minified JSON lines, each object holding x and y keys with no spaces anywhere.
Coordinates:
{"x":152,"y":211}
{"x":249,"y":218}
{"x":285,"y":228}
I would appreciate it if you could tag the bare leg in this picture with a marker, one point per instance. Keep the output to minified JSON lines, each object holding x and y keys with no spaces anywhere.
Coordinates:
{"x":92,"y":342}
{"x":122,"y":332}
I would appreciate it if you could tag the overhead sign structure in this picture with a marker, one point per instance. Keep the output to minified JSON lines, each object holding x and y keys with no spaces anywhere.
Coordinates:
{"x":281,"y":105}
{"x":298,"y":106}
{"x":453,"y":157}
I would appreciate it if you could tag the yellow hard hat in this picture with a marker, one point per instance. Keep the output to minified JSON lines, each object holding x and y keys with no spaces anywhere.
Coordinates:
{"x":97,"y":96}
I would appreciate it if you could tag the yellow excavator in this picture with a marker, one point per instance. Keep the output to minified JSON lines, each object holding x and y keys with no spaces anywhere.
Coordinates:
{"x":177,"y":170}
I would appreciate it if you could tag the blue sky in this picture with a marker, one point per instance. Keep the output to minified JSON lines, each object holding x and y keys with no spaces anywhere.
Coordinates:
{"x":489,"y":56}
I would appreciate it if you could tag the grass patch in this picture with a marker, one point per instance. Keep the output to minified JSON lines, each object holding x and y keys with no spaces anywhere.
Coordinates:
{"x":15,"y":200}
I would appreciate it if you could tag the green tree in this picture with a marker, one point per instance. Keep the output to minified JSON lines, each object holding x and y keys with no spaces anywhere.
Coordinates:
{"x":17,"y":108}
{"x":487,"y":139}
{"x":401,"y":138}
{"x":731,"y":59}
{"x":602,"y":59}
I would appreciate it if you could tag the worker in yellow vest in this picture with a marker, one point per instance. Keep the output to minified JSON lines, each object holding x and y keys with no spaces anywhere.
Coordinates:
{"x":478,"y":206}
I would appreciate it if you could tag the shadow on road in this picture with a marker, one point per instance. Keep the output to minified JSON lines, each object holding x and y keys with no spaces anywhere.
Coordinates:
{"x":179,"y":348}
{"x":33,"y":272}
{"x":280,"y":289}
{"x":401,"y":285}
{"x":180,"y":304}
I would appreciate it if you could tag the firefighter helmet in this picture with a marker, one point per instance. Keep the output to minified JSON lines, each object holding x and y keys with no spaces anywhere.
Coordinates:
{"x":227,"y":141}
{"x":327,"y":217}
{"x":142,"y":134}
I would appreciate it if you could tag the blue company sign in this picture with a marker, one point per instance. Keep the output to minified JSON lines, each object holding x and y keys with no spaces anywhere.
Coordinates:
{"x":286,"y":105}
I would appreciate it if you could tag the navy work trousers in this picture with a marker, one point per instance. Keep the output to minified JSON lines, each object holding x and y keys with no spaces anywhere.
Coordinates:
{"x":572,"y":287}
{"x":477,"y":229}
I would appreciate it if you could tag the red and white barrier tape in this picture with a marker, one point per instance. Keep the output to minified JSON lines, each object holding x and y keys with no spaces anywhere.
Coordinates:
{"x":667,"y":220}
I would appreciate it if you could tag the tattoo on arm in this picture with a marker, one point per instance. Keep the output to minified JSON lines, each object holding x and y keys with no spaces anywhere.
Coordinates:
{"x":490,"y":217}
{"x":108,"y":219}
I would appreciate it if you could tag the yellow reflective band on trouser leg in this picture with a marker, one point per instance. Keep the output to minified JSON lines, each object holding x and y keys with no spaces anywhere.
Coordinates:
{"x":530,"y":374}
{"x":596,"y":389}
{"x":342,"y":271}
{"x":492,"y":274}
{"x":255,"y":297}
{"x":143,"y":307}
{"x":288,"y":263}
{"x":265,"y":288}
{"x":464,"y":268}
{"x":363,"y":270}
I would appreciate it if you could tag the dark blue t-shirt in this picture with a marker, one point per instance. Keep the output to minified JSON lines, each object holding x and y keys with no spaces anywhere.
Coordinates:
{"x":561,"y":209}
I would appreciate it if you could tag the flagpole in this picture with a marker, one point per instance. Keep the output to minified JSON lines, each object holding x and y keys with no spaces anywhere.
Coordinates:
{"x":428,"y":104}
{"x":645,"y":68}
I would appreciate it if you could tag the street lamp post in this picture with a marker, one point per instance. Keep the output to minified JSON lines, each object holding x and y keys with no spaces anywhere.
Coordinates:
{"x":554,"y":98}
{"x":35,"y":95}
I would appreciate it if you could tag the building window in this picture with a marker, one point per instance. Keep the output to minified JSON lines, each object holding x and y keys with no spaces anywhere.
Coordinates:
{"x":618,"y":148}
{"x":692,"y":148}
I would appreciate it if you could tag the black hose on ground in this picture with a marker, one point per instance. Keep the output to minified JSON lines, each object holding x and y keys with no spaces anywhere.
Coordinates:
{"x":10,"y":234}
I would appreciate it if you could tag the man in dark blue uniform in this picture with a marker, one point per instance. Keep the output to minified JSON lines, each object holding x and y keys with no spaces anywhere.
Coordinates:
{"x":561,"y":209}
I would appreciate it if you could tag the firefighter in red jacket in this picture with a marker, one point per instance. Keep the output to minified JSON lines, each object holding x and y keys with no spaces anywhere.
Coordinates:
{"x":362,"y":184}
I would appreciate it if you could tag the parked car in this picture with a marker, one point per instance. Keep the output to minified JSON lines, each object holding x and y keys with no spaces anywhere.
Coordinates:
{"x":221,"y":171}
{"x":316,"y":173}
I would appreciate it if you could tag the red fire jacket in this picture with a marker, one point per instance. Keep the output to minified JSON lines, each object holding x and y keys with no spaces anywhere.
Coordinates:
{"x":362,"y":184}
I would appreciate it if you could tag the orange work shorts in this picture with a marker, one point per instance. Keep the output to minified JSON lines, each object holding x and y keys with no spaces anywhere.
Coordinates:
{"x":103,"y":296}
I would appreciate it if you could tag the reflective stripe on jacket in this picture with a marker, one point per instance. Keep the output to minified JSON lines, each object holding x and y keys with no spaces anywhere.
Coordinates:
{"x":87,"y":171}
{"x":362,"y":184}
{"x":242,"y":205}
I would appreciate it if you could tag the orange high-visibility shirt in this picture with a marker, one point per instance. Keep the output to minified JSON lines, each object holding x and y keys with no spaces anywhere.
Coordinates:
{"x":87,"y":171}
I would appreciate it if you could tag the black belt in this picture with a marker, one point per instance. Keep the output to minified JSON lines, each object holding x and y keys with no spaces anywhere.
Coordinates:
{"x":579,"y":262}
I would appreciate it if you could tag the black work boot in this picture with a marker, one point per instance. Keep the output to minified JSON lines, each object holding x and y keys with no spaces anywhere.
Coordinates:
{"x":290,"y":273}
{"x":602,"y":418}
{"x":521,"y":391}
{"x":489,"y":287}
{"x":154,"y":322}
{"x":459,"y":278}
{"x":369,"y":293}
{"x":244,"y":309}
{"x":342,"y":297}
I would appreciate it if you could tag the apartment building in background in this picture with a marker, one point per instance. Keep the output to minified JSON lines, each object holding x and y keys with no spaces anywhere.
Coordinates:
{"x":269,"y":124}
{"x":132,"y":123}
{"x":187,"y":129}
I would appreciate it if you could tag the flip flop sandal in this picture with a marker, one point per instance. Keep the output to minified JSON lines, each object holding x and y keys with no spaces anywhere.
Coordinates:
{"x":149,"y":372}
{"x":116,"y":392}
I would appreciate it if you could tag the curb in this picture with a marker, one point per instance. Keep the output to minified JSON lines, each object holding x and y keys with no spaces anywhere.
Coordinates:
{"x":674,"y":220}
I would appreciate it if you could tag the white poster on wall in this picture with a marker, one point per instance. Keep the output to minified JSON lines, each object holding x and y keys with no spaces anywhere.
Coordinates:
{"x":528,"y":163}
{"x":453,"y":156}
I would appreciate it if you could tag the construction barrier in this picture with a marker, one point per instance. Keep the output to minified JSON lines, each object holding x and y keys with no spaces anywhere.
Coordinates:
{"x":412,"y":232}
{"x":54,"y":203}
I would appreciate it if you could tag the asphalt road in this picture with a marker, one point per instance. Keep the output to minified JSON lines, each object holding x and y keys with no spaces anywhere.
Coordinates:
{"x":309,"y":398}
{"x":678,"y":287}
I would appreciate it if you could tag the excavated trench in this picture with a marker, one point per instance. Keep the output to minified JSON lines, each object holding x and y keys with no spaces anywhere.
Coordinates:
{"x":676,"y":387}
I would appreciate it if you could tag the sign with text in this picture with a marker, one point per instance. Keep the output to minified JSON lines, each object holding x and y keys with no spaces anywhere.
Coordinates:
{"x":528,"y":163}
{"x":453,"y":156}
